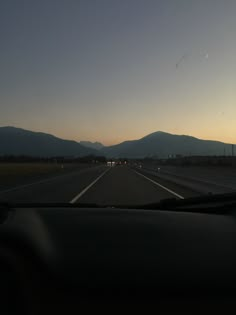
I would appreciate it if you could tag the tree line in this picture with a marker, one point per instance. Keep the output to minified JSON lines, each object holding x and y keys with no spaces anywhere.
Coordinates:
{"x":53,"y":159}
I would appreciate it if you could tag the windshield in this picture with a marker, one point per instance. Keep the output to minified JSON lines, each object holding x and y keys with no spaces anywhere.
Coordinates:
{"x":117,"y":102}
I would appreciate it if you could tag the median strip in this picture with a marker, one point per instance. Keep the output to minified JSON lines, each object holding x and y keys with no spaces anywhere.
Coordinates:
{"x":163,"y":187}
{"x":88,"y":187}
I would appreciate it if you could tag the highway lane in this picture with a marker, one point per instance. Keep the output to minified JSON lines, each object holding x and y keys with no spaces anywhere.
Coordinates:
{"x":125,"y":186}
{"x":18,"y":174}
{"x":222,"y":176}
{"x":60,"y":188}
{"x":118,"y":185}
{"x":199,"y":179}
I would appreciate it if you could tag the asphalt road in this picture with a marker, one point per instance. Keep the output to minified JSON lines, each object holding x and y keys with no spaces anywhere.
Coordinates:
{"x":104,"y":185}
{"x":205,"y":180}
{"x":224,"y":176}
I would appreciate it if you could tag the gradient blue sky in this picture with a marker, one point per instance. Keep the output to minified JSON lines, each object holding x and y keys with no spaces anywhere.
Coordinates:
{"x":106,"y":70}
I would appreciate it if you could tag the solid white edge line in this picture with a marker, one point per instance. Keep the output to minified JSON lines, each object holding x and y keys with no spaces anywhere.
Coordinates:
{"x":88,"y":187}
{"x":163,"y":187}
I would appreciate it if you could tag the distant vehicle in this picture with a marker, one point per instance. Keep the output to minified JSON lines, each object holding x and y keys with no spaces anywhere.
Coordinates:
{"x":111,"y":163}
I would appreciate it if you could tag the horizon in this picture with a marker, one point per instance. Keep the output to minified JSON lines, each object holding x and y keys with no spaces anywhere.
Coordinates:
{"x":106,"y":145}
{"x":108,"y":71}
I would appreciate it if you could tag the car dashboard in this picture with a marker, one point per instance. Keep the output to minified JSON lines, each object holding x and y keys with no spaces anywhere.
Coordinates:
{"x":58,"y":259}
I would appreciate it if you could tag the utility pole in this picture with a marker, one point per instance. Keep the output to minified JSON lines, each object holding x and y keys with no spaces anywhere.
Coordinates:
{"x":232,"y":155}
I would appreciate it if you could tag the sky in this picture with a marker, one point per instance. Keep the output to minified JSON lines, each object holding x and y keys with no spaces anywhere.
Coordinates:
{"x":115,"y":70}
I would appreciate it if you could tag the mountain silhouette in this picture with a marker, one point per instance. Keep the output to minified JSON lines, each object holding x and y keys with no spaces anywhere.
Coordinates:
{"x":93,"y":145}
{"x":161,"y":144}
{"x":17,"y":141}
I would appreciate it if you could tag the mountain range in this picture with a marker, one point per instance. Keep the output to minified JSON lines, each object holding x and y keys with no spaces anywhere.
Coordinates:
{"x":93,"y":145}
{"x":162,"y":145}
{"x":17,"y":141}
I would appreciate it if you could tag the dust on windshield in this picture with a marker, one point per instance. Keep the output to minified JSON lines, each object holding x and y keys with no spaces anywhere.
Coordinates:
{"x":117,"y":102}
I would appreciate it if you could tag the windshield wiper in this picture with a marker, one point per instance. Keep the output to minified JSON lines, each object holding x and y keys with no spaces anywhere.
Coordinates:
{"x":14,"y":205}
{"x":211,"y":203}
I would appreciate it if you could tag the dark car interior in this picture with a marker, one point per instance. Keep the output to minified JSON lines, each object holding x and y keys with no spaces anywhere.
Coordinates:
{"x":59,"y":259}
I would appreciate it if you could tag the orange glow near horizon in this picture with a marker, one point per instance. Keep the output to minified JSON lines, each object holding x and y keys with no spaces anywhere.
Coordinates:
{"x":120,"y":71}
{"x":112,"y":139}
